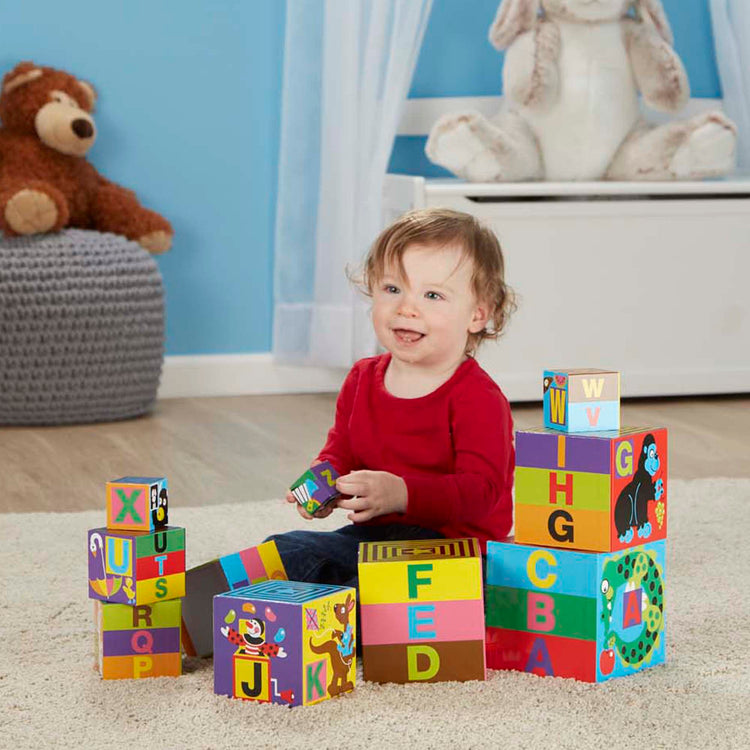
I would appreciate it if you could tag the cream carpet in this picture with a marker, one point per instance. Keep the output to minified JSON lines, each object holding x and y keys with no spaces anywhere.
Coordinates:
{"x":51,"y":697}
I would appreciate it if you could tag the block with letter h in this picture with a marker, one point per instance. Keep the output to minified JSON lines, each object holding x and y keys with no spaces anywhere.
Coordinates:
{"x":582,"y":400}
{"x":601,"y":491}
{"x":285,"y":642}
{"x":136,"y":567}
{"x":575,"y":614}
{"x":422,"y":610}
{"x":204,"y":582}
{"x":137,"y":503}
{"x":140,"y":641}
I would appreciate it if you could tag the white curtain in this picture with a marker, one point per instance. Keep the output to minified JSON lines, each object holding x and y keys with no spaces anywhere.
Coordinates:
{"x":731,"y":27}
{"x":348,"y":65}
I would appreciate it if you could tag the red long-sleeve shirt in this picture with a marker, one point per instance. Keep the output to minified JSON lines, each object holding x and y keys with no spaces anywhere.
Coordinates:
{"x":453,"y":447}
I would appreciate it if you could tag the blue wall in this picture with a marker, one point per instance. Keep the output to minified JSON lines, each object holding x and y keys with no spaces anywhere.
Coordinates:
{"x":188,"y":116}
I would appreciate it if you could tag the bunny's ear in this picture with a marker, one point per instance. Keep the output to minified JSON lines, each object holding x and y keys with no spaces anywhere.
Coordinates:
{"x":652,"y":11}
{"x":513,"y":17}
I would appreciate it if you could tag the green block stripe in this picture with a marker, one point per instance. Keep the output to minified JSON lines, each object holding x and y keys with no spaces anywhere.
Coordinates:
{"x":590,"y":491}
{"x":573,"y":616}
{"x":166,"y":614}
{"x":146,"y":545}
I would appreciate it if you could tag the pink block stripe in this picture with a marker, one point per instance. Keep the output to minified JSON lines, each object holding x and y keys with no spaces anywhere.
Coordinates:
{"x":253,"y":564}
{"x":449,"y":621}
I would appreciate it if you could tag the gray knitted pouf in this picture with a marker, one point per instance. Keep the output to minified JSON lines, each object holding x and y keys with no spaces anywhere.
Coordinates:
{"x":81,"y":328}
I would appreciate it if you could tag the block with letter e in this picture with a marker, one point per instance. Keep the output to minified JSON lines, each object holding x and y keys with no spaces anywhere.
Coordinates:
{"x":137,"y":503}
{"x":590,"y":616}
{"x":422,"y":610}
{"x":600,"y":491}
{"x":582,"y":400}
{"x":139,"y":641}
{"x":136,"y":567}
{"x":285,"y":642}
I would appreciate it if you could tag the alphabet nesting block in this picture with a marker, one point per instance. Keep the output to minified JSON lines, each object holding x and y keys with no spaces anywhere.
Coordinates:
{"x":203,"y":582}
{"x":137,"y":503}
{"x":136,"y":567}
{"x":582,"y":400}
{"x":285,"y":642}
{"x":140,"y":641}
{"x":422,"y":610}
{"x":602,"y":491}
{"x":585,"y":615}
{"x":316,"y":488}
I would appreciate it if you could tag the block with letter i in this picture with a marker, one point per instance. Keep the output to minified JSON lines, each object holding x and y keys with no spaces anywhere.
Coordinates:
{"x":137,"y":503}
{"x":590,"y":616}
{"x":285,"y":642}
{"x":582,"y":400}
{"x":422,"y":610}
{"x":140,"y":641}
{"x":601,"y":491}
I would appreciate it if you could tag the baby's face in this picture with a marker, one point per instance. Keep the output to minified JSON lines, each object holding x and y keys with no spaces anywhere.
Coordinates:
{"x":425,"y":316}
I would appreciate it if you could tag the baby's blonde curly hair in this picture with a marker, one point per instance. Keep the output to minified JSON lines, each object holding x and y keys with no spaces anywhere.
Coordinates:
{"x":441,"y":227}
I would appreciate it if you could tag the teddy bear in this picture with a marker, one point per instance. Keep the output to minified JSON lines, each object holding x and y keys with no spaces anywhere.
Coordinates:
{"x":572,"y":75}
{"x":46,"y":183}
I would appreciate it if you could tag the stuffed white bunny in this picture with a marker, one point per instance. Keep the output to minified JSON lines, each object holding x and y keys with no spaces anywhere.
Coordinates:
{"x":572,"y":74}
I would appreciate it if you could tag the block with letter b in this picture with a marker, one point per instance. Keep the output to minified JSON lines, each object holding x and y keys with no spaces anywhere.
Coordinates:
{"x":422,"y":610}
{"x":285,"y":642}
{"x":584,"y":400}
{"x":137,"y":503}
{"x":136,"y":567}
{"x":575,"y":614}
{"x":139,"y":641}
{"x":600,"y":491}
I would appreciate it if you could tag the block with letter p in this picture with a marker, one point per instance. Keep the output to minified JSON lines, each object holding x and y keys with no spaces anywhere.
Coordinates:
{"x":137,"y":503}
{"x":581,"y":400}
{"x":575,"y":614}
{"x":422,"y":610}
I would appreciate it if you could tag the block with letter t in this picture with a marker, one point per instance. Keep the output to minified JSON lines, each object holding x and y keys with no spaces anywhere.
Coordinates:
{"x":583,"y":400}
{"x":136,"y":567}
{"x":137,"y":503}
{"x":422,"y":610}
{"x":590,"y":616}
{"x":285,"y":642}
{"x":600,"y":491}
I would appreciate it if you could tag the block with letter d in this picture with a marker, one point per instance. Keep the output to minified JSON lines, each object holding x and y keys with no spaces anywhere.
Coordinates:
{"x":581,"y":400}
{"x":140,"y":641}
{"x":285,"y":642}
{"x":601,"y":491}
{"x":137,"y":503}
{"x":136,"y":567}
{"x":575,"y":614}
{"x":422,"y":610}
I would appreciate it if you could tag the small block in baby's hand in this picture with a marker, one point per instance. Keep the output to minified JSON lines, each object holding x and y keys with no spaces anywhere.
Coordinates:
{"x":316,"y":488}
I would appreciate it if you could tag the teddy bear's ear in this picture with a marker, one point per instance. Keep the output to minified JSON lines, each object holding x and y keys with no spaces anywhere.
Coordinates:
{"x":90,"y":94}
{"x":653,"y":11}
{"x":513,"y":17}
{"x":24,"y":72}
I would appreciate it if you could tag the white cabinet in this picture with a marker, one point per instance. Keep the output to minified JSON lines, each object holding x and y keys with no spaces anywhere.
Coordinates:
{"x":652,"y":279}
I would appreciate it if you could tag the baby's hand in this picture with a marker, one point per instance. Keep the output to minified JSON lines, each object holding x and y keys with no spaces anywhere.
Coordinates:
{"x":375,"y":493}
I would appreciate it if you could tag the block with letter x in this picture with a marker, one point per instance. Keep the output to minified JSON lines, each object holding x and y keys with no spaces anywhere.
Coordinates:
{"x":137,"y":503}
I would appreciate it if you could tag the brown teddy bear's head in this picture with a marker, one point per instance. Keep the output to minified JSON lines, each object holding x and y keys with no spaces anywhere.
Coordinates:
{"x":53,"y":104}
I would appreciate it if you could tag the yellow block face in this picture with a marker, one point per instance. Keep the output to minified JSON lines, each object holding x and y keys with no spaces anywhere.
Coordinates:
{"x":420,"y":580}
{"x":155,"y":615}
{"x":329,"y":663}
{"x":272,"y":561}
{"x":137,"y":667}
{"x":162,"y":588}
{"x":563,"y":489}
{"x":252,"y":680}
{"x":564,"y":527}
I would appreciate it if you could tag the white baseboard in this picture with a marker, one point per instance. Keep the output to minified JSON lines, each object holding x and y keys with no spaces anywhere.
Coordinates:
{"x":242,"y":375}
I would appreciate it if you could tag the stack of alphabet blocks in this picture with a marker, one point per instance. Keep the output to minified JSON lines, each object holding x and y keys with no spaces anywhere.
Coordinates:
{"x":580,"y":591}
{"x":137,"y":579}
